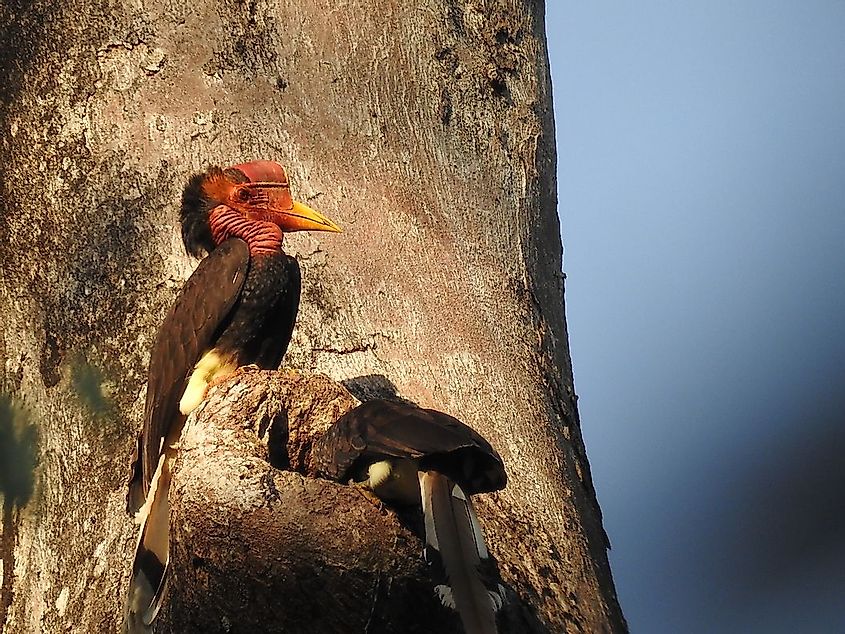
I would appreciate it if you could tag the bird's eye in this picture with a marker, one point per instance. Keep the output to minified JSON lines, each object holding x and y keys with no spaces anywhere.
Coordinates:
{"x":242,"y":195}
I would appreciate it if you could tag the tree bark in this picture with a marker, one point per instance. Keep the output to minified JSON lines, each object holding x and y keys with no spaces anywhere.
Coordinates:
{"x":249,"y":529}
{"x":424,"y":129}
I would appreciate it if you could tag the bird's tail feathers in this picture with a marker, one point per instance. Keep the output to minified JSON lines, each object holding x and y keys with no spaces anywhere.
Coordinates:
{"x":148,"y":583}
{"x":455,"y":548}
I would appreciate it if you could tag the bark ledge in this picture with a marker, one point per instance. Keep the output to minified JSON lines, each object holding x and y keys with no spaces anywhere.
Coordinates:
{"x":257,"y":548}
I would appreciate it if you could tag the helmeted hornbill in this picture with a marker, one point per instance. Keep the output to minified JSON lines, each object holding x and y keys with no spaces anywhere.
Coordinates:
{"x":410,"y":455}
{"x":237,"y":308}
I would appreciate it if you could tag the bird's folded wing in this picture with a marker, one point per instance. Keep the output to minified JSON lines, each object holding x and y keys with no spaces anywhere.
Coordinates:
{"x":200,"y":311}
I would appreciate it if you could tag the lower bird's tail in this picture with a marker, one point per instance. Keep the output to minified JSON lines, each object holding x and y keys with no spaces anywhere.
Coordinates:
{"x":455,"y":545}
{"x":148,"y":582}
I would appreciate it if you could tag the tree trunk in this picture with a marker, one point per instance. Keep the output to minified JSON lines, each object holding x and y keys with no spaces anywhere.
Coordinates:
{"x":424,"y":129}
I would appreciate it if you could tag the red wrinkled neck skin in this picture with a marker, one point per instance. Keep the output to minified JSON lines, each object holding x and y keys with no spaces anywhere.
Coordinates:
{"x":263,"y":238}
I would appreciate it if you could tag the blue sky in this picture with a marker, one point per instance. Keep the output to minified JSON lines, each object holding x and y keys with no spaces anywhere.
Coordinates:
{"x":701,"y":177}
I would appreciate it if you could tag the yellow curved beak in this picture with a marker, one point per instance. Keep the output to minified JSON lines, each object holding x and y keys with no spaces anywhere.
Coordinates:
{"x":301,"y":217}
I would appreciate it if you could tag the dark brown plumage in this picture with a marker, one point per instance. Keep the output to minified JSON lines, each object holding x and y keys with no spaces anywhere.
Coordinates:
{"x":379,"y":429}
{"x":186,"y":333}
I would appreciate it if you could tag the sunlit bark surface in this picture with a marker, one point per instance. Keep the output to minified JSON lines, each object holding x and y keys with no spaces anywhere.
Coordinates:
{"x":425,"y":130}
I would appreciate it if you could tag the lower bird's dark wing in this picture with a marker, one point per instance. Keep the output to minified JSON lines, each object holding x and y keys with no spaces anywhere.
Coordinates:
{"x":188,"y":330}
{"x":380,"y":429}
{"x":450,"y":462}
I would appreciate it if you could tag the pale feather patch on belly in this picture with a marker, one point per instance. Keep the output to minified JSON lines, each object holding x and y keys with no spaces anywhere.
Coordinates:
{"x":379,"y":472}
{"x":211,"y":366}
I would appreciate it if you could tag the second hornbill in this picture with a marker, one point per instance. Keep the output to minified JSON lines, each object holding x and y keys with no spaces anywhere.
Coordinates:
{"x":237,"y":308}
{"x":414,"y":456}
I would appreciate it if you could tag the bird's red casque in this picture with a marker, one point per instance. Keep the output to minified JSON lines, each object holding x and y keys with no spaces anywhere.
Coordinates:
{"x":263,"y":171}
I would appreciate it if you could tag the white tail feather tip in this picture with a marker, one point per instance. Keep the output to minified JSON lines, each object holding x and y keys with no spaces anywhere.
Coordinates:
{"x":457,"y":492}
